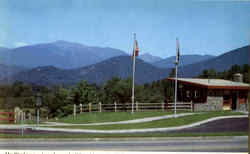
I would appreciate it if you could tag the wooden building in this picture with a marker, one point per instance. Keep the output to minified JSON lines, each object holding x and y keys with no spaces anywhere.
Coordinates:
{"x":212,"y":94}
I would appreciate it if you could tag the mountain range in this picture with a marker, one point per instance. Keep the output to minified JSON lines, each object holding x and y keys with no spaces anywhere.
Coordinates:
{"x":111,"y":66}
{"x":4,"y":54}
{"x":120,"y":66}
{"x":61,"y":54}
{"x":150,"y":58}
{"x":8,"y":71}
{"x":184,"y":60}
{"x":68,"y":55}
{"x":220,"y":63}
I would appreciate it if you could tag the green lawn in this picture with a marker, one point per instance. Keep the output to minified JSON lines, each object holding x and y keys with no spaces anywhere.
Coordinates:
{"x":158,"y":123}
{"x":97,"y":117}
{"x":4,"y":122}
{"x":150,"y":135}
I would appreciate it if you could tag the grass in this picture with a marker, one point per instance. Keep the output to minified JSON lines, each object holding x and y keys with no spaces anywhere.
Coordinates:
{"x":29,"y":121}
{"x":19,"y":123}
{"x":97,"y":117}
{"x":4,"y":122}
{"x":106,"y":136}
{"x":158,"y":123}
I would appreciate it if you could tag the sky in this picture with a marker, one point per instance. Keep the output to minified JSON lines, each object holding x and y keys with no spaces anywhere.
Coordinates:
{"x":202,"y":26}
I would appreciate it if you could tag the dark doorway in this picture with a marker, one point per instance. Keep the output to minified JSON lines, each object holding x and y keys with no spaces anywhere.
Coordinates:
{"x":234,"y":100}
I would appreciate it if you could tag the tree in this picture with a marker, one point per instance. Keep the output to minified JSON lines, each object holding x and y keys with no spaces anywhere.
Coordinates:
{"x":228,"y":74}
{"x":85,"y":93}
{"x":60,"y":105}
{"x":108,"y":95}
{"x":212,"y":74}
{"x":17,"y":88}
{"x":172,"y":73}
{"x":245,"y":73}
{"x":121,"y":90}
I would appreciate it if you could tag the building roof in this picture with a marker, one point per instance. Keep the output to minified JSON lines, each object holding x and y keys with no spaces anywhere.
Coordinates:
{"x":213,"y":83}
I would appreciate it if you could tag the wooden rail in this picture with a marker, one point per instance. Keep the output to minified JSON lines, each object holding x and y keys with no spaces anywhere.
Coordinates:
{"x":10,"y":117}
{"x":138,"y":107}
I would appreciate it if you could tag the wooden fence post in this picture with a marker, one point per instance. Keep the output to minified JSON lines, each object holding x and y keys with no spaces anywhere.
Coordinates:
{"x":162,"y":106}
{"x":136,"y":103}
{"x":89,"y":107}
{"x":30,"y":116}
{"x":24,"y":116}
{"x":115,"y":107}
{"x":80,"y":108}
{"x":191,"y":104}
{"x":74,"y":112}
{"x":100,"y":107}
{"x":22,"y":121}
{"x":16,"y":110}
{"x":20,"y":116}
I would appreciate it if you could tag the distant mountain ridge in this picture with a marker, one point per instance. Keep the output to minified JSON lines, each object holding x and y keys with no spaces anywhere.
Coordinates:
{"x":8,"y":71}
{"x":149,"y":58}
{"x":99,"y":73}
{"x":3,"y":49}
{"x":4,"y":55}
{"x":61,"y":54}
{"x":220,"y":63}
{"x":184,"y":60}
{"x":121,"y":66}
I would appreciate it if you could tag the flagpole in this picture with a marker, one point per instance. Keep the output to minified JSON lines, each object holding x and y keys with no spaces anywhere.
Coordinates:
{"x":176,"y":69}
{"x":175,"y":96}
{"x":133,"y":84}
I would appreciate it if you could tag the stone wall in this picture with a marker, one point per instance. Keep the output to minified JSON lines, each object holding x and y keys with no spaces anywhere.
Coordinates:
{"x":242,"y":106}
{"x":212,"y":104}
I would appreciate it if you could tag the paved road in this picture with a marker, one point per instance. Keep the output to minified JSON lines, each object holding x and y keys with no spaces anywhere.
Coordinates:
{"x":222,"y":144}
{"x":223,"y":125}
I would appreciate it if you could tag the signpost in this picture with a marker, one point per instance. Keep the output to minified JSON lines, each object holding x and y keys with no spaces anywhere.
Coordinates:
{"x":38,"y":104}
{"x":74,"y":112}
{"x":22,"y":122}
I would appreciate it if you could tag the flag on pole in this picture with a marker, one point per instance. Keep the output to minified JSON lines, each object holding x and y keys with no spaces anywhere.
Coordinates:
{"x":177,"y":51}
{"x":135,"y":50}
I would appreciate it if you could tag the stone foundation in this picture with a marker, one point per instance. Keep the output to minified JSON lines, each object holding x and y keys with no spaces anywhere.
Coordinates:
{"x":212,"y":104}
{"x":243,"y":107}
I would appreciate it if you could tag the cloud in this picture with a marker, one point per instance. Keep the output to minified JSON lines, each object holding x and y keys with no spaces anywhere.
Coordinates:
{"x":20,"y":44}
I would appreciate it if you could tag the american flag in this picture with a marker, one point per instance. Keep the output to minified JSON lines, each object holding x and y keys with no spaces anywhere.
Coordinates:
{"x":136,"y":48}
{"x":177,"y":51}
